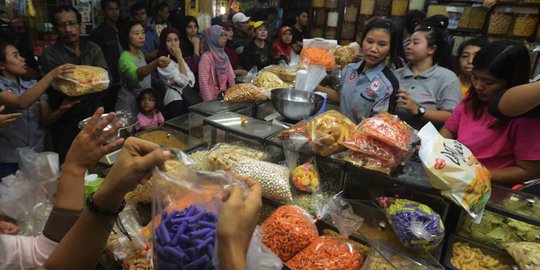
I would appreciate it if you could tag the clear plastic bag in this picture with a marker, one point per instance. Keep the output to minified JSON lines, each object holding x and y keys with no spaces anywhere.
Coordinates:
{"x":416,"y":225}
{"x":259,"y":256}
{"x":283,"y":71}
{"x":526,"y":254}
{"x":297,"y":129}
{"x":268,"y":81}
{"x":288,"y":230}
{"x":185,"y":207}
{"x":327,"y":252}
{"x":84,"y":80}
{"x":225,"y":156}
{"x":389,"y":129}
{"x":328,"y":131}
{"x":291,"y":148}
{"x":306,"y":177}
{"x":346,"y":54}
{"x":320,"y":52}
{"x":244,"y":93}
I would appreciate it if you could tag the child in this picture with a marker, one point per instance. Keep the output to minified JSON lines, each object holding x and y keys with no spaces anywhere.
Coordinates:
{"x":148,"y":117}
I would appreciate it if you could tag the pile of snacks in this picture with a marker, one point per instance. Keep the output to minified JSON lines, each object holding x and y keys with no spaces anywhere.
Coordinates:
{"x":466,"y":257}
{"x":244,"y":93}
{"x":287,"y":74}
{"x":287,"y":231}
{"x":84,"y":80}
{"x":328,"y":131}
{"x":141,"y":194}
{"x":274,"y":178}
{"x":526,"y":254}
{"x":225,"y":156}
{"x":380,"y":143}
{"x":327,"y":252}
{"x":346,"y":54}
{"x":164,"y":138}
{"x":268,"y":81}
{"x":306,"y":177}
{"x":185,"y":239}
{"x":200,"y":160}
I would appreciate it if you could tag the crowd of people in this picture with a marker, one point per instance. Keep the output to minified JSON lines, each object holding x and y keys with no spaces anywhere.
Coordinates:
{"x":158,"y":70}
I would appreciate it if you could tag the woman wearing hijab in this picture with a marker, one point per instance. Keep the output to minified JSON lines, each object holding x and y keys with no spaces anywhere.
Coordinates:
{"x":215,"y":70}
{"x":231,"y":53}
{"x":282,"y":47}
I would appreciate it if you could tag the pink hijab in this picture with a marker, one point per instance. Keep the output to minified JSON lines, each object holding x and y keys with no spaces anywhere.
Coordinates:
{"x":211,"y":38}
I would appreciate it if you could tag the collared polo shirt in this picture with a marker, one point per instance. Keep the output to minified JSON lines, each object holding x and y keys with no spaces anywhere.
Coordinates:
{"x":25,"y":131}
{"x":437,"y":89}
{"x":366,"y":93}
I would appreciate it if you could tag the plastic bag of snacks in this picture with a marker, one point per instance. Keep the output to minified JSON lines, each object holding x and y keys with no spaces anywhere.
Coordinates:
{"x":244,"y":93}
{"x":319,"y":52}
{"x":369,"y":146}
{"x":327,"y":252}
{"x":453,"y":169}
{"x":526,"y":254}
{"x":306,"y":177}
{"x":346,"y":54}
{"x":288,"y":230}
{"x":416,"y":225}
{"x":84,"y":80}
{"x":274,"y":178}
{"x":297,"y":129}
{"x":328,"y":131}
{"x":224,"y":156}
{"x":185,"y":207}
{"x":268,"y":81}
{"x":284,"y":72}
{"x":389,"y":129}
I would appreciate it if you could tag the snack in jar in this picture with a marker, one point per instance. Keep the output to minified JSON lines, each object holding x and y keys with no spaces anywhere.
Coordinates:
{"x":328,"y":131}
{"x":84,"y":80}
{"x":244,"y":93}
{"x":268,"y":81}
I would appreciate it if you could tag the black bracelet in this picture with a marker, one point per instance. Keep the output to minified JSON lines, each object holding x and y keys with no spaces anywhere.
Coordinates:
{"x":94,"y":209}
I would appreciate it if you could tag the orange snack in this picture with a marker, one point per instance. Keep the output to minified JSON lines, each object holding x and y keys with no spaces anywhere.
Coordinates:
{"x":327,"y":252}
{"x":319,"y":56}
{"x":287,"y":231}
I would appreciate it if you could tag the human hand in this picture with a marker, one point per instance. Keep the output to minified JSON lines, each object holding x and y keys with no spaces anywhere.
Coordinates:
{"x":134,"y":165}
{"x":196,"y":41}
{"x":69,"y":102}
{"x":7,"y":119}
{"x":163,"y":61}
{"x":177,"y":52}
{"x":88,"y":147}
{"x":238,"y":218}
{"x":62,"y":72}
{"x":9,"y":228}
{"x":405,"y":101}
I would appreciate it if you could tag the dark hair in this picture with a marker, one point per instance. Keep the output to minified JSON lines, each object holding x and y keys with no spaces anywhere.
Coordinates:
{"x":150,"y":91}
{"x":3,"y":48}
{"x":123,"y":35}
{"x":162,"y":5}
{"x":64,"y":8}
{"x":437,"y":21}
{"x":186,"y":45}
{"x":503,"y":59}
{"x":412,"y":19}
{"x":136,"y":7}
{"x":391,"y":29}
{"x":437,"y":37}
{"x":478,"y":42}
{"x":300,"y":11}
{"x":105,"y":2}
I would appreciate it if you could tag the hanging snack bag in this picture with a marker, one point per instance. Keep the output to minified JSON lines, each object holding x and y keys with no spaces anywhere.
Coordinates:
{"x":288,"y":230}
{"x":327,"y":252}
{"x":84,"y":80}
{"x":453,"y":169}
{"x":320,"y":52}
{"x":306,"y":177}
{"x":416,"y":225}
{"x":389,"y":129}
{"x":328,"y":131}
{"x":244,"y":93}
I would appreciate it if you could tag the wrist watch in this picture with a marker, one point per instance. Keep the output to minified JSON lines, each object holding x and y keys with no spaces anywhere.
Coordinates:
{"x":421,"y":111}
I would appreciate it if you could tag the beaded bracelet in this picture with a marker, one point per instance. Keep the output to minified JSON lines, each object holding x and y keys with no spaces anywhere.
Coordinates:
{"x":94,"y":209}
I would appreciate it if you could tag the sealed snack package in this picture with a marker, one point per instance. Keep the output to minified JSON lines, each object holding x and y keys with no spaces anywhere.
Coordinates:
{"x":284,"y":72}
{"x":268,"y":81}
{"x":224,"y":156}
{"x":288,"y":230}
{"x":306,"y":177}
{"x":84,"y":80}
{"x":362,"y":143}
{"x":320,"y":52}
{"x":526,"y":254}
{"x":345,"y":54}
{"x":389,"y":129}
{"x":453,"y":169}
{"x":416,"y":225}
{"x":328,"y":131}
{"x":244,"y":93}
{"x":327,"y":252}
{"x":185,"y":207}
{"x":274,"y":178}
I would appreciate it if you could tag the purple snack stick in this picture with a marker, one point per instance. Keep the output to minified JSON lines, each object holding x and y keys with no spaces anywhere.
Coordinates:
{"x":178,"y":220}
{"x":205,"y":242}
{"x":174,"y":254}
{"x":179,"y":233}
{"x":160,"y":251}
{"x":164,"y":234}
{"x":208,"y":224}
{"x":210,"y":250}
{"x":163,"y":215}
{"x":211,"y":216}
{"x":184,"y":238}
{"x":192,"y":252}
{"x":199,"y":233}
{"x":198,"y":263}
{"x":192,"y":210}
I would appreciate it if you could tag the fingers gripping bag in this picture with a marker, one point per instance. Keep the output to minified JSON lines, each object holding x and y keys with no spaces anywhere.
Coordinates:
{"x":185,"y":207}
{"x":288,"y":230}
{"x":417,"y":226}
{"x":328,"y":131}
{"x":453,"y":169}
{"x":84,"y":80}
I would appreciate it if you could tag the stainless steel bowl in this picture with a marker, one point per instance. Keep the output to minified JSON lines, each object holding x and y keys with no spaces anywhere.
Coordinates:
{"x":125,"y":131}
{"x":296,"y":104}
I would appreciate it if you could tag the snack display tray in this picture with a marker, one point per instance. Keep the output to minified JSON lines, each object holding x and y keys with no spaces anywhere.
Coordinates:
{"x":212,"y":107}
{"x":180,"y":123}
{"x":253,"y":129}
{"x":497,"y":254}
{"x":499,"y":193}
{"x":190,"y":142}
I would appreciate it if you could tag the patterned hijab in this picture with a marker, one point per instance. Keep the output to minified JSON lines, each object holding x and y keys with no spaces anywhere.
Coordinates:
{"x":211,"y":39}
{"x":279,"y":48}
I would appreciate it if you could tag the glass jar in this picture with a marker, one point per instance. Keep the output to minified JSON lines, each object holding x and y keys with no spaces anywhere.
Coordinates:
{"x":332,"y":4}
{"x":348,"y":30}
{"x":351,"y":13}
{"x":320,"y":16}
{"x":499,"y":23}
{"x":332,"y":19}
{"x":399,"y":7}
{"x":383,"y":7}
{"x":367,"y":7}
{"x":524,"y":25}
{"x":318,"y":3}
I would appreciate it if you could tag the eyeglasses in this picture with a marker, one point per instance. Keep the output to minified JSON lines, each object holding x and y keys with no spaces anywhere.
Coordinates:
{"x":66,"y":24}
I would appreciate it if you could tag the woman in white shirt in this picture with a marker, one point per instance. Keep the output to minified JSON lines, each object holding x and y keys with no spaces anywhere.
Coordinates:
{"x":177,"y":76}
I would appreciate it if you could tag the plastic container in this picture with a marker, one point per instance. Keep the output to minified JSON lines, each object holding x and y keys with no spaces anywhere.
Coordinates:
{"x":417,"y":4}
{"x":478,"y":16}
{"x":381,"y":257}
{"x":525,"y":25}
{"x":318,"y":3}
{"x":91,"y":184}
{"x":503,"y":257}
{"x":351,"y":13}
{"x":382,"y":7}
{"x":399,"y":7}
{"x":499,"y":22}
{"x":332,"y":4}
{"x":367,"y":7}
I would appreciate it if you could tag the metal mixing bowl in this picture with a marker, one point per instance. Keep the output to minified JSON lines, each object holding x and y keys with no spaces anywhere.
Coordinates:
{"x":296,"y":104}
{"x":125,"y":131}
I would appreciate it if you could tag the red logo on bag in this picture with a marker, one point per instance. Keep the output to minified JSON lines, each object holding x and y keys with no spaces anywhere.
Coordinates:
{"x":352,"y":76}
{"x":440,"y":163}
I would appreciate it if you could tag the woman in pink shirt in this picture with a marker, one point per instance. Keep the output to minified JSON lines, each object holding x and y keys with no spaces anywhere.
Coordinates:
{"x":215,"y":72}
{"x":510,"y":149}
